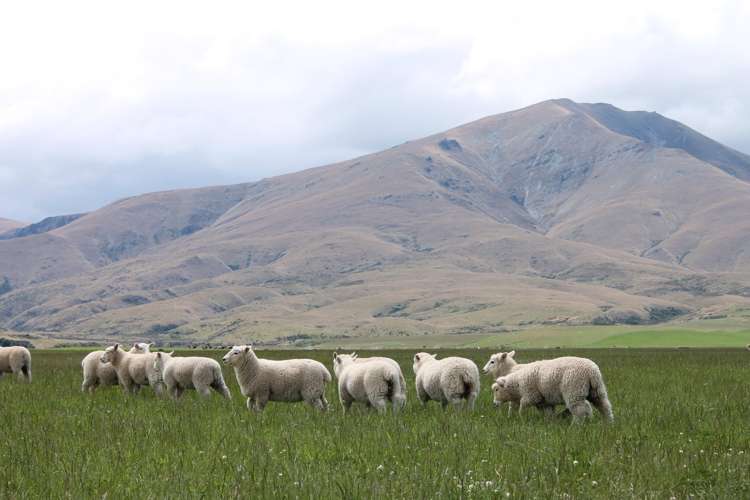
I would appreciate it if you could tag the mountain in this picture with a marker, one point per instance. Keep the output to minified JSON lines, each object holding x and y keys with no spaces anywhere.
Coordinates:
{"x":43,"y":226}
{"x":8,"y":224}
{"x":560,"y":212}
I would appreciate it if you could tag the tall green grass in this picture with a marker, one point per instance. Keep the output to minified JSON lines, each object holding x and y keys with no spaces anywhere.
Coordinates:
{"x":682,"y":420}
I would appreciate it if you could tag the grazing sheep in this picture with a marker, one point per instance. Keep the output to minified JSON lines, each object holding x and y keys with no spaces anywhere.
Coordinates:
{"x":571,"y":381}
{"x":372,"y":381}
{"x":201,"y":374}
{"x":96,"y":373}
{"x":16,"y":360}
{"x":133,"y":370}
{"x":449,"y":380}
{"x":501,"y":363}
{"x":264,"y":380}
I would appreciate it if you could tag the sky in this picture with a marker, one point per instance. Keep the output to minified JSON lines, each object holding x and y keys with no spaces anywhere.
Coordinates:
{"x":103,"y":100}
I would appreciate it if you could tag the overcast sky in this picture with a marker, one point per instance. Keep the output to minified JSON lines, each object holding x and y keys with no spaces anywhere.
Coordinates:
{"x":100,"y":102}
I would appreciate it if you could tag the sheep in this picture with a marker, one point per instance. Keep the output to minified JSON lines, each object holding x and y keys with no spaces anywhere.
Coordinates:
{"x":201,"y":374}
{"x":133,"y":370}
{"x":571,"y":381}
{"x":264,"y":380}
{"x":16,"y":360}
{"x":373,"y":381}
{"x":96,"y":373}
{"x":449,"y":380}
{"x":501,"y":363}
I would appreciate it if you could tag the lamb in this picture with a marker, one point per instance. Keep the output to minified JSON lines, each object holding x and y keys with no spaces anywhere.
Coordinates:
{"x":96,"y":373}
{"x":201,"y":374}
{"x":133,"y":370}
{"x":372,"y":381}
{"x":264,"y":380}
{"x":16,"y":360}
{"x":449,"y":380}
{"x":571,"y":381}
{"x":501,"y":363}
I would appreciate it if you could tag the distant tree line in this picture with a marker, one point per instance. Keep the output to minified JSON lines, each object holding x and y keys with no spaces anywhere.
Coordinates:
{"x":5,"y":342}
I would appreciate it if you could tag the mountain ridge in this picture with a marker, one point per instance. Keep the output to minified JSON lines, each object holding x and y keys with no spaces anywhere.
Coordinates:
{"x":429,"y":236}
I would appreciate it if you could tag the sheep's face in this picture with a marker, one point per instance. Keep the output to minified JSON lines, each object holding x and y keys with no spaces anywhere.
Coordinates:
{"x":160,"y":360}
{"x":109,"y":353}
{"x":236,"y":354}
{"x":342,"y":360}
{"x":420,"y":359}
{"x":500,"y":364}
{"x":500,"y":392}
{"x":141,"y":348}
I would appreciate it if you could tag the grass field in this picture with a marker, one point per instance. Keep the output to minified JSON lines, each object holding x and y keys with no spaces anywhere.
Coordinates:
{"x":681,"y":431}
{"x":699,"y":334}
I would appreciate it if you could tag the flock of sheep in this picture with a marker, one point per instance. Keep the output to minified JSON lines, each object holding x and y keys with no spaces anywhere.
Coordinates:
{"x":375,"y":382}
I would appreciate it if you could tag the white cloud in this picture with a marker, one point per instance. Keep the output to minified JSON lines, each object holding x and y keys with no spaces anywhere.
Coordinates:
{"x":101,"y":100}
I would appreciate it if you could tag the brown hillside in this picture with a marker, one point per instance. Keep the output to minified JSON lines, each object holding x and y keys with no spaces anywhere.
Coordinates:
{"x":559,"y":212}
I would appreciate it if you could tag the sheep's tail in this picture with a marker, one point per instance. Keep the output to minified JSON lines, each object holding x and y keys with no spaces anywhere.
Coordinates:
{"x":326,"y":375}
{"x":26,"y":368}
{"x":469,"y":384}
{"x":598,"y":394}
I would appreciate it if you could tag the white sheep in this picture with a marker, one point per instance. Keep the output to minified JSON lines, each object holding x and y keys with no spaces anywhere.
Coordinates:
{"x":133,"y":370}
{"x":16,"y":360}
{"x":96,"y":373}
{"x":449,"y":380}
{"x":291,"y":380}
{"x":201,"y":374}
{"x":571,"y":381}
{"x":372,"y":381}
{"x":501,"y":363}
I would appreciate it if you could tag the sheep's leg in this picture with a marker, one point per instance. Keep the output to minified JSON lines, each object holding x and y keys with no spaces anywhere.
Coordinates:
{"x":457,"y":402}
{"x":604,"y":407}
{"x":323,"y":402}
{"x":260,"y":402}
{"x":346,"y":404}
{"x":317,"y":403}
{"x":471,"y":401}
{"x":250,"y":404}
{"x":513,"y":405}
{"x":398,"y":403}
{"x":203,"y":390}
{"x":220,"y":387}
{"x":422,"y":395}
{"x":379,"y":405}
{"x":126,"y":387}
{"x":525,"y":403}
{"x":580,"y":409}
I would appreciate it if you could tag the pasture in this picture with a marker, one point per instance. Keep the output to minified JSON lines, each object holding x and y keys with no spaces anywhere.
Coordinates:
{"x":681,"y":430}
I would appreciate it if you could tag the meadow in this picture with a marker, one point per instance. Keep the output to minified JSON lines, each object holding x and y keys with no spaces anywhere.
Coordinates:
{"x":681,"y":430}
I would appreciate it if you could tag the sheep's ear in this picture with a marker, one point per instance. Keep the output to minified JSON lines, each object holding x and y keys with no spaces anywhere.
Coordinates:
{"x":416,"y":357}
{"x":501,"y":382}
{"x":434,"y":355}
{"x":503,"y":355}
{"x":158,"y":355}
{"x":150,"y":344}
{"x":354,"y":355}
{"x":511,"y":354}
{"x":336,"y":357}
{"x":171,"y":353}
{"x":116,"y":346}
{"x":247,"y":348}
{"x":494,"y":386}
